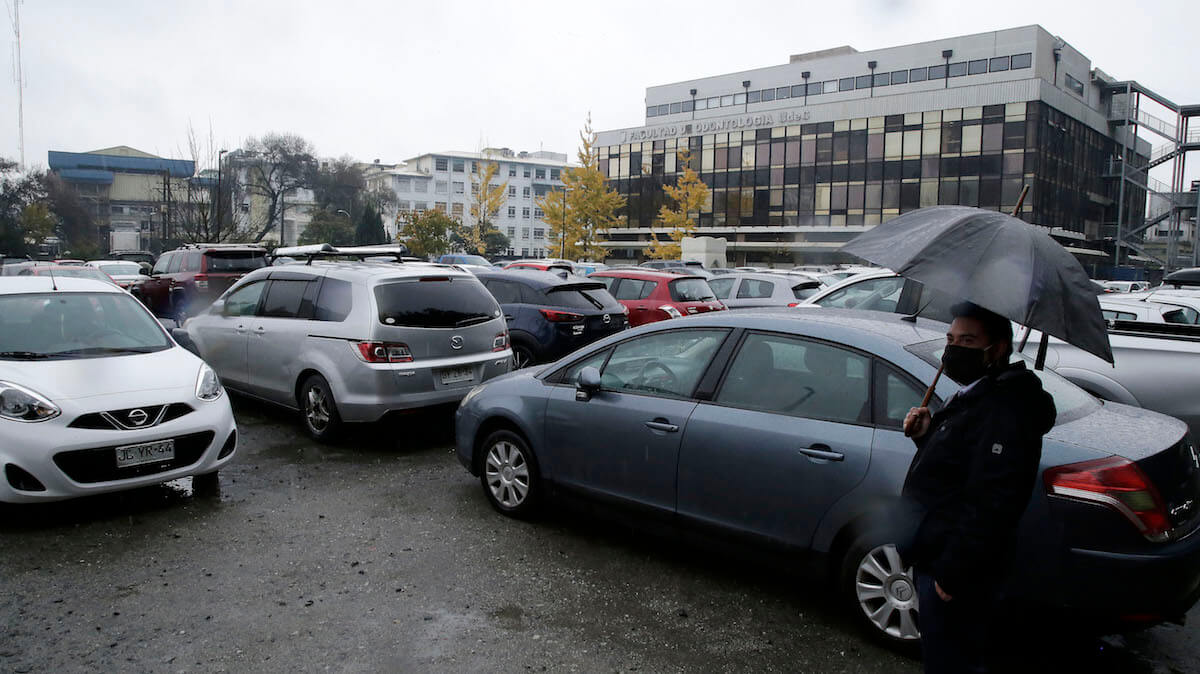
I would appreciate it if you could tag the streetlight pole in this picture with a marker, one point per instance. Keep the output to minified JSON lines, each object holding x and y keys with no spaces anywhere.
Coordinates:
{"x":347,"y":214}
{"x":220,"y":197}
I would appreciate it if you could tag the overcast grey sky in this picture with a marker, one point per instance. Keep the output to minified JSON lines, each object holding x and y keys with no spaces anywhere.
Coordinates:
{"x":390,"y":80}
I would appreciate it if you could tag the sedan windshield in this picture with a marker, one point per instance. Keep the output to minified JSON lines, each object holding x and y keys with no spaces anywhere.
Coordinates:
{"x":76,"y":325}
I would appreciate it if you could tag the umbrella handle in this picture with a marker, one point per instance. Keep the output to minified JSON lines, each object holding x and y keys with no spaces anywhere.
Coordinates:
{"x":928,"y":395}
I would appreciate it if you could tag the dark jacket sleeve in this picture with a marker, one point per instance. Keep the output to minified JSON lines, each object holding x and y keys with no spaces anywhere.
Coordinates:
{"x":1005,"y":453}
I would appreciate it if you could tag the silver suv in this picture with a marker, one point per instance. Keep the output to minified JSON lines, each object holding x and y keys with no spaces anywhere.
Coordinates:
{"x":350,"y":341}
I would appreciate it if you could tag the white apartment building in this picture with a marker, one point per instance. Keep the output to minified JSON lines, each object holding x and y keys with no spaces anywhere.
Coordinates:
{"x":443,"y":180}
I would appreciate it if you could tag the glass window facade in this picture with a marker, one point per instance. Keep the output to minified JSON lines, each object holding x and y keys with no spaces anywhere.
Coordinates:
{"x":864,"y":171}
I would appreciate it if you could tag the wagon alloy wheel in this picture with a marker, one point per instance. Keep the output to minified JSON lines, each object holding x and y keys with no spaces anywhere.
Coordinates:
{"x":507,"y":474}
{"x":317,"y":408}
{"x":317,"y":404}
{"x":887,"y":593}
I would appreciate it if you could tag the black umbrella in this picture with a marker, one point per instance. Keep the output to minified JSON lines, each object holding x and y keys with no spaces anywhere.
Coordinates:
{"x":996,"y":261}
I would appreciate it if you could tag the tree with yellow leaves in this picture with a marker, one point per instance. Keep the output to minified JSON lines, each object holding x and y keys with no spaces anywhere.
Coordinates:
{"x":586,"y":204}
{"x":689,"y":195}
{"x":486,"y":200}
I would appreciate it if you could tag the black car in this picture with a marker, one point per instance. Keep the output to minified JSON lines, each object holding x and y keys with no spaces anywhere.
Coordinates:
{"x":549,"y":317}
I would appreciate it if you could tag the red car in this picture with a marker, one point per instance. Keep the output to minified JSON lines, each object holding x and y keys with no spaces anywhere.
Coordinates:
{"x":657,"y":296}
{"x":187,"y":280}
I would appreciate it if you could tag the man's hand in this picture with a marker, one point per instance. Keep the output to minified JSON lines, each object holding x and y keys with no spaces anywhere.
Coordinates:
{"x":940,"y":592}
{"x":917,"y":422}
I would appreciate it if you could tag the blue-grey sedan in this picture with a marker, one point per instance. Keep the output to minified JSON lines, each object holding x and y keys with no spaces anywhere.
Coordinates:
{"x":785,"y":428}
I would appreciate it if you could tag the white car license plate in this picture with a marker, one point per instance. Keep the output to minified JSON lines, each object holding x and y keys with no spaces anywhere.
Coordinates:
{"x":456,"y":375}
{"x":150,"y":452}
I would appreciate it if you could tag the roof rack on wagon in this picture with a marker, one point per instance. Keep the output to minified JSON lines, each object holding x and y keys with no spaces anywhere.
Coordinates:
{"x":396,"y":252}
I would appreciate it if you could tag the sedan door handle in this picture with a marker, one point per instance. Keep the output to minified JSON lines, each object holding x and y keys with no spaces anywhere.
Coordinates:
{"x":822,"y":452}
{"x":661,"y":424}
{"x":260,"y":330}
{"x":241,"y":329}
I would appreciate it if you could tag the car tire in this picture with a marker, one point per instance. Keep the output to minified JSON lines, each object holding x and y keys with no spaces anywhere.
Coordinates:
{"x":523,"y":356}
{"x":318,"y":409}
{"x":206,"y":484}
{"x":510,"y":476}
{"x":880,"y":592}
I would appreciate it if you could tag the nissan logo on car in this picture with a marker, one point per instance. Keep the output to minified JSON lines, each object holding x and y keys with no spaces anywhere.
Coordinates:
{"x":456,"y":342}
{"x":137,"y":417}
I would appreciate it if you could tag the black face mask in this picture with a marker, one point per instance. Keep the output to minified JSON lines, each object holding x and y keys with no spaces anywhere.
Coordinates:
{"x":964,"y":364}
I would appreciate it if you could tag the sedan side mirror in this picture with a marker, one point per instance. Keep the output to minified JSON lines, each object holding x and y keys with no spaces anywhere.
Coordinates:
{"x":587,"y":383}
{"x":218,"y":307}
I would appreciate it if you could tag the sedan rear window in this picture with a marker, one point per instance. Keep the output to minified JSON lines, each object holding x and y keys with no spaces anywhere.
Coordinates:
{"x":235,"y":262}
{"x":691,"y":290}
{"x":586,"y":297}
{"x":435,"y":302}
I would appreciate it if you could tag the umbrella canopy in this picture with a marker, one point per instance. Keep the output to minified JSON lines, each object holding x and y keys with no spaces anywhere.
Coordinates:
{"x":996,"y":261}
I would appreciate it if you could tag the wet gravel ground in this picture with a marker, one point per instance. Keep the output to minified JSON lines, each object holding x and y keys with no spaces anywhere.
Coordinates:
{"x":381,"y":554}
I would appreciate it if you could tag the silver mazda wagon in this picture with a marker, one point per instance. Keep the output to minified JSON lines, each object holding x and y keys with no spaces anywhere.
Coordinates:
{"x":351,"y":340}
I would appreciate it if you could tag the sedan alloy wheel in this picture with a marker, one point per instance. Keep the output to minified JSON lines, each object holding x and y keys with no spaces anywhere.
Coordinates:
{"x":887,"y":593}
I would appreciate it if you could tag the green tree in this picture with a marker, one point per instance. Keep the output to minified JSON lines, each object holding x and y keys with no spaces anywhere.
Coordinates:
{"x":689,"y":195}
{"x":578,"y":214}
{"x":18,"y":191}
{"x":370,"y":228}
{"x":327,"y":227}
{"x":76,"y":226}
{"x":486,"y":200}
{"x":495,"y":243}
{"x":37,"y":222}
{"x":426,"y":233}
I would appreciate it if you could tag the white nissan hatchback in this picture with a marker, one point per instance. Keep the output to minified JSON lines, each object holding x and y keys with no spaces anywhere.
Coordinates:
{"x":95,"y":396}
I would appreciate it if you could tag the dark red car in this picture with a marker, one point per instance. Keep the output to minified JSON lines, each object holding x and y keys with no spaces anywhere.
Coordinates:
{"x":186,"y":280}
{"x":656,"y":296}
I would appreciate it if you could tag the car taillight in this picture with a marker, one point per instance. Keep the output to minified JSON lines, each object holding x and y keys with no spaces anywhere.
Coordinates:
{"x":793,"y":304}
{"x":500,"y":342}
{"x":1117,"y":483}
{"x":670,"y":311}
{"x":201,"y":280}
{"x":560,"y":316}
{"x":383,"y":352}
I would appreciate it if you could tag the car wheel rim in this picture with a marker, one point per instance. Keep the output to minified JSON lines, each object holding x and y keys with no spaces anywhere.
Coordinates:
{"x":521,"y":358}
{"x":887,"y":593}
{"x":316,"y":408}
{"x":507,"y":474}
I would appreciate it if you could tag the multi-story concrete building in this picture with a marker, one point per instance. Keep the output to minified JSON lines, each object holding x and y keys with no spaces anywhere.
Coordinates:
{"x":801,"y":157}
{"x":136,"y":199}
{"x":443,"y":180}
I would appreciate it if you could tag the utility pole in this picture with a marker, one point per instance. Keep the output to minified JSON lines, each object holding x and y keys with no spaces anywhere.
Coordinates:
{"x":16,"y":27}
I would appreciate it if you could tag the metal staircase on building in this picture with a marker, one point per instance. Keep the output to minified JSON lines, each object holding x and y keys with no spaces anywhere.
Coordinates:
{"x":1164,"y":201}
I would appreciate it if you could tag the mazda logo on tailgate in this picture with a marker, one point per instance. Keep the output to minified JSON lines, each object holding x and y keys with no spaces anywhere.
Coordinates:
{"x":137,"y":417}
{"x":456,"y":342}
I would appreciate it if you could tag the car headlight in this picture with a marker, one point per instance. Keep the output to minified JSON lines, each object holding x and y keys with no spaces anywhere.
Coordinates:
{"x":18,"y":403}
{"x":208,"y":385}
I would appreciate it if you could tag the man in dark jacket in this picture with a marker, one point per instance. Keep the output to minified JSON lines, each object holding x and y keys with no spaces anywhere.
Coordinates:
{"x":970,"y":481}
